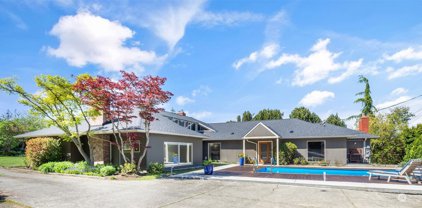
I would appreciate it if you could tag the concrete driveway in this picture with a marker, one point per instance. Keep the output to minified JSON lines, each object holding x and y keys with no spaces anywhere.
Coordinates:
{"x":39,"y":190}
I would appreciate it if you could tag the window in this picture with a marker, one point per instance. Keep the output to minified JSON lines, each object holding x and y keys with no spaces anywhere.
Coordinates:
{"x":136,"y":144}
{"x":214,"y":151}
{"x":178,"y":153}
{"x":316,"y":151}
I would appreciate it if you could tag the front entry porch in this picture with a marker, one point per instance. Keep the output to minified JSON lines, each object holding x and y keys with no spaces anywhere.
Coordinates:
{"x":266,"y":143}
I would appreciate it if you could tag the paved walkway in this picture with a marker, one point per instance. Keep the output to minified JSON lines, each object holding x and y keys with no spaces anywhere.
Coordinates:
{"x":39,"y":190}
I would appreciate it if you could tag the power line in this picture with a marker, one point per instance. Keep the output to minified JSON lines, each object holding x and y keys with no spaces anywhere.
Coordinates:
{"x":399,"y":103}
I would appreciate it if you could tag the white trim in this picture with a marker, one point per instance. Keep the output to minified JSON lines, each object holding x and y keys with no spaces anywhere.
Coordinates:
{"x":260,"y":123}
{"x":187,"y":144}
{"x":325,"y":148}
{"x":209,"y":156}
{"x":259,"y":147}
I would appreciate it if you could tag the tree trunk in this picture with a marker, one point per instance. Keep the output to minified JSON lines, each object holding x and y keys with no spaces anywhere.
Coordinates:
{"x":78,"y":144}
{"x":91,"y":152}
{"x":146,"y":145}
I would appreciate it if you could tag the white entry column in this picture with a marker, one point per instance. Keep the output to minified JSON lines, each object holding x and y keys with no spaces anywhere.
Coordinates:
{"x":277,"y":149}
{"x":244,"y":151}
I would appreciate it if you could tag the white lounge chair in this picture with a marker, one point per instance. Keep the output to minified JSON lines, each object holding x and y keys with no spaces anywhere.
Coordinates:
{"x":405,"y":172}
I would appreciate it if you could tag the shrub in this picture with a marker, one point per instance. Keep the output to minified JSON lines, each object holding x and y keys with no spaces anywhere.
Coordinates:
{"x":46,"y":167}
{"x":42,"y":150}
{"x":128,"y":168}
{"x":61,"y":167}
{"x":82,"y":166}
{"x":303,"y":161}
{"x":296,"y":161}
{"x":287,"y":153}
{"x":155,"y":168}
{"x":107,"y":170}
{"x":72,"y":171}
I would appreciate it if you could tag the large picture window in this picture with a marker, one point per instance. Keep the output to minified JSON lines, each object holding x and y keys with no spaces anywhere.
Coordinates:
{"x":316,"y":151}
{"x":178,"y":153}
{"x":214,"y":151}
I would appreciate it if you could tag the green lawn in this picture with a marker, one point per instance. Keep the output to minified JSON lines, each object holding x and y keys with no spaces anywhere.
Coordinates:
{"x":9,"y":161}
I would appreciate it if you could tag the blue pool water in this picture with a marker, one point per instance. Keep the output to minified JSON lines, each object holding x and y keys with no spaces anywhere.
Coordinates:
{"x":315,"y":171}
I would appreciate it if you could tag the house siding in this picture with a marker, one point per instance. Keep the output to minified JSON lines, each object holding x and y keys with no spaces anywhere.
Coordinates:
{"x":156,"y":151}
{"x":335,"y":151}
{"x":231,"y":149}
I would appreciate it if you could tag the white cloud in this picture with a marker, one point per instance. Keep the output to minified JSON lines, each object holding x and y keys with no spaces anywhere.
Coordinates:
{"x":229,"y":18}
{"x":392,"y":102}
{"x":316,"y":98}
{"x":316,"y":66}
{"x":280,"y":81}
{"x":399,"y":91}
{"x":406,"y":54}
{"x":267,"y":52}
{"x":200,"y":115}
{"x":404,"y":71}
{"x":352,"y":68}
{"x":182,"y":100}
{"x":169,"y":22}
{"x":202,"y":90}
{"x":89,"y":39}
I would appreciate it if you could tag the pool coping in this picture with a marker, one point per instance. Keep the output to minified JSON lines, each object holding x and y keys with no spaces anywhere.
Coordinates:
{"x":375,"y":187}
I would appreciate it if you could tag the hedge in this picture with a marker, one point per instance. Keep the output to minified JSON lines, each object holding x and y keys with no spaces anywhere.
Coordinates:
{"x":42,"y":150}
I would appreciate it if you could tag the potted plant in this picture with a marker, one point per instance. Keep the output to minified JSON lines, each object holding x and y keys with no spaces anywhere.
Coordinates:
{"x":208,"y":167}
{"x":241,"y":159}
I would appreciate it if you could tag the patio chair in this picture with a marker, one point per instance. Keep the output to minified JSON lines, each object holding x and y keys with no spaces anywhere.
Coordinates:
{"x":405,"y":172}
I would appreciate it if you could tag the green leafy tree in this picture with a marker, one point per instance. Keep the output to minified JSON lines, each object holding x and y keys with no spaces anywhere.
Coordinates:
{"x":247,"y":116}
{"x":414,"y":150}
{"x":56,"y":101}
{"x":390,"y":147}
{"x":12,"y":124}
{"x":409,"y":134}
{"x":305,"y":114}
{"x":238,"y":118}
{"x":268,"y":114}
{"x":368,"y":107}
{"x":335,"y":120}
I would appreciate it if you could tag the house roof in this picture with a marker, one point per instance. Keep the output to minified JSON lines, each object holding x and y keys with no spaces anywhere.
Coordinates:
{"x":284,"y":128}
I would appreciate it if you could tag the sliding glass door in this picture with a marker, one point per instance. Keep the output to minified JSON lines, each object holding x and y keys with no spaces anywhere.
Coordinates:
{"x":178,"y":153}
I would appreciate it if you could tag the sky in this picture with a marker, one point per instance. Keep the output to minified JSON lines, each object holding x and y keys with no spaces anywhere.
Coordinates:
{"x":221,"y":58}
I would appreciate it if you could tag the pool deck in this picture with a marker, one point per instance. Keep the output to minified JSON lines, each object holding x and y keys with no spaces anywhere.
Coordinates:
{"x":245,"y":173}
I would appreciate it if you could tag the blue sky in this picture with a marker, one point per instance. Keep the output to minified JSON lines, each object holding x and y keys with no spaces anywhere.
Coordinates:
{"x":224,"y":57}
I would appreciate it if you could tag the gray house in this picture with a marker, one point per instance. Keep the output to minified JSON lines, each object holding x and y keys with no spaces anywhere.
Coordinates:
{"x":177,"y":139}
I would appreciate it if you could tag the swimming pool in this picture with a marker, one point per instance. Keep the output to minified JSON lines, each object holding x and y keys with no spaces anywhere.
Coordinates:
{"x":314,"y":171}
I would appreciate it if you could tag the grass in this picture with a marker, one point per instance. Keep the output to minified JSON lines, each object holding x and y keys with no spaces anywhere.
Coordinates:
{"x":12,"y":161}
{"x":149,"y":177}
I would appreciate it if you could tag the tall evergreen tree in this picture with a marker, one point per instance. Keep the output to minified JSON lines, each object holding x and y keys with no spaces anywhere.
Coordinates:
{"x":368,"y":107}
{"x":247,"y":116}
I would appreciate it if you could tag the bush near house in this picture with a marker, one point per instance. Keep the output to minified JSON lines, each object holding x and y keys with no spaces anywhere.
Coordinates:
{"x":155,"y":168}
{"x":287,"y":153}
{"x":77,"y":168}
{"x":42,"y":150}
{"x":128,"y":168}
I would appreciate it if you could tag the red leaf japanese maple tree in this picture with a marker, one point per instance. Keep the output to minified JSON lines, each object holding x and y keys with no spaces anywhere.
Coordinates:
{"x":118,"y":100}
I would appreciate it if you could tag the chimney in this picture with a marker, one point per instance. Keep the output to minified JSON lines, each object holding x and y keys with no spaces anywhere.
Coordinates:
{"x":97,"y":120}
{"x":364,"y":124}
{"x":181,"y":113}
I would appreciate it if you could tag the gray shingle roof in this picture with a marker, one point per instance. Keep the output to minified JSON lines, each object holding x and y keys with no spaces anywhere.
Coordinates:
{"x":285,"y":128}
